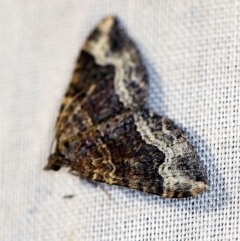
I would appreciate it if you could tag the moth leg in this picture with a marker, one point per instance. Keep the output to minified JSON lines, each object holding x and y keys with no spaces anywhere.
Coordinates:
{"x":102,"y":188}
{"x":98,"y":185}
{"x":75,"y":173}
{"x":92,"y":182}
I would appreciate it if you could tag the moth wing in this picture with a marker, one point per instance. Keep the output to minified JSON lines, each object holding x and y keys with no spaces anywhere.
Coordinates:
{"x":109,"y":79}
{"x":141,"y":151}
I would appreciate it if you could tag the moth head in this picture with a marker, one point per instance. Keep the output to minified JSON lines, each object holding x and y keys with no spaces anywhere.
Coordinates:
{"x":58,"y":158}
{"x":53,"y":163}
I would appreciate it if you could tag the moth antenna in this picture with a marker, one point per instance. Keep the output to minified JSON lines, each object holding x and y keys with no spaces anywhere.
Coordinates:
{"x":62,"y":115}
{"x":60,"y":119}
{"x":65,"y":110}
{"x":53,"y":143}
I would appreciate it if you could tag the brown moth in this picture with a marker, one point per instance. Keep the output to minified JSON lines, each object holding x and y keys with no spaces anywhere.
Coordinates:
{"x":104,"y":133}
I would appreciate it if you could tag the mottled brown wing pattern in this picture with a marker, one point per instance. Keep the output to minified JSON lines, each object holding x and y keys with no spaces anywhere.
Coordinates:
{"x":109,"y":78}
{"x":104,"y":133}
{"x":122,"y":151}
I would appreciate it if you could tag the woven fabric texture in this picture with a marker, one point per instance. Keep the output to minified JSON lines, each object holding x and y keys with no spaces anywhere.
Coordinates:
{"x":191,"y":50}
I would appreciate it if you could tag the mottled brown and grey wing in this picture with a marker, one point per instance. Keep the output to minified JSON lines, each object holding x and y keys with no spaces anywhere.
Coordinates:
{"x":104,"y":134}
{"x":109,"y":79}
{"x":141,"y":151}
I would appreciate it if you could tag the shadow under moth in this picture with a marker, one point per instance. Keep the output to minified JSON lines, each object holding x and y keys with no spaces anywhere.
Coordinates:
{"x":104,"y":132}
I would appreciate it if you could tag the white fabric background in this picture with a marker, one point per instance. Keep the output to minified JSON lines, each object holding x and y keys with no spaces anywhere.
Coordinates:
{"x":191,"y":49}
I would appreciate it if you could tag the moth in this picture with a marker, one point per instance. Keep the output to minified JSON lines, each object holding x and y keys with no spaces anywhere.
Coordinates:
{"x":104,"y":132}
